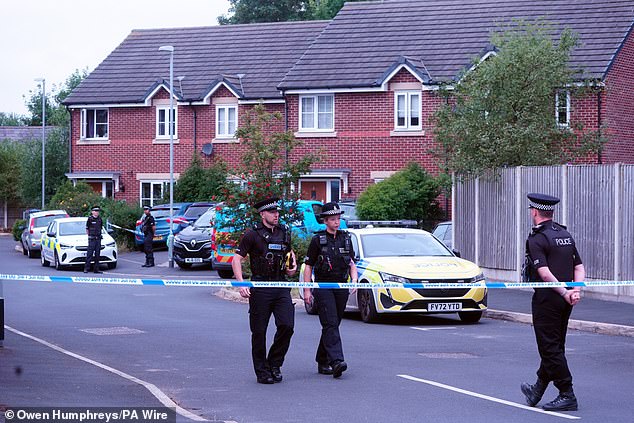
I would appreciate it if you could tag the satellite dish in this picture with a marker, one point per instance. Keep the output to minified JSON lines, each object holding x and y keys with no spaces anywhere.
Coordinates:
{"x":207,"y":149}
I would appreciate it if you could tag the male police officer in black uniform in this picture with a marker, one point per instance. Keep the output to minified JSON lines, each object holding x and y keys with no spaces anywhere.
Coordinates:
{"x":269,"y":248}
{"x":331,"y":254}
{"x":551,"y":256}
{"x":93,"y":230}
{"x":148,"y":228}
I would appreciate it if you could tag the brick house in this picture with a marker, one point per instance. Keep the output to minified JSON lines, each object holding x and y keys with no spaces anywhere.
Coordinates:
{"x":363,"y":86}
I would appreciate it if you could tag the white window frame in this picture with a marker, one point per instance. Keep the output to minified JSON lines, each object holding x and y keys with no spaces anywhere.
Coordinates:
{"x":225,"y":126}
{"x":164,"y":185}
{"x":565,"y":124}
{"x":166,"y":109}
{"x":84,"y":124}
{"x":408,"y":111}
{"x":315,"y":100}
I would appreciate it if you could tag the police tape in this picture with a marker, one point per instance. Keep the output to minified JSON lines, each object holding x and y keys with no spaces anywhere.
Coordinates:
{"x":108,"y":224}
{"x":289,"y":284}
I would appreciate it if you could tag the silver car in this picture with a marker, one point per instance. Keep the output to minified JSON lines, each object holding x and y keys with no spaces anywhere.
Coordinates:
{"x":36,"y":226}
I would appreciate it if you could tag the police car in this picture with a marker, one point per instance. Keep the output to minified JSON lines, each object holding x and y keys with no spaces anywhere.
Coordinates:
{"x":411,"y":256}
{"x":65,"y":243}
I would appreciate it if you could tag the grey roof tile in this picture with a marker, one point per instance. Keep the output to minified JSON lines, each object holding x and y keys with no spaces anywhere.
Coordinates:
{"x":366,"y":38}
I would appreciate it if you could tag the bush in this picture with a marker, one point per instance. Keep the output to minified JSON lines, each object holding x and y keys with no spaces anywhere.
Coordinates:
{"x":122,"y":214}
{"x":408,"y":194}
{"x":77,"y":200}
{"x":17,"y":232}
{"x":200,"y":184}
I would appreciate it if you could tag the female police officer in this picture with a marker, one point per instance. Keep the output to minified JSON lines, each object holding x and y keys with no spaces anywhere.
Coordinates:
{"x":331,"y":254}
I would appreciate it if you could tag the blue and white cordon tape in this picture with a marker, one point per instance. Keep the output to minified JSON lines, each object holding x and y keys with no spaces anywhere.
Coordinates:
{"x":287,"y":284}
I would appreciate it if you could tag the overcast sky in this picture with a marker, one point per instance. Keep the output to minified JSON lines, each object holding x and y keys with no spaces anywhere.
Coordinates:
{"x":52,"y":38}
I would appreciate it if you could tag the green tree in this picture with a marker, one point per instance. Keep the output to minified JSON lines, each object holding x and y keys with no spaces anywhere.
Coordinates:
{"x":501,"y":113}
{"x":325,"y":9}
{"x":77,"y":199}
{"x":201,"y":184}
{"x":12,"y":119}
{"x":268,"y":167}
{"x":9,"y":172}
{"x":253,"y":11}
{"x":56,"y":114}
{"x":408,"y":194}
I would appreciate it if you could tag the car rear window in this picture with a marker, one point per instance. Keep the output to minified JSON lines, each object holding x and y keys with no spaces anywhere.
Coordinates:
{"x":162,"y":213}
{"x":43,"y":221}
{"x":195,"y":212}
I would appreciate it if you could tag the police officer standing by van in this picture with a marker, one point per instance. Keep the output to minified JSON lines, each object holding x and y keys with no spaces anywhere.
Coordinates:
{"x":551,"y":256}
{"x":268,"y":246}
{"x":93,"y":230}
{"x":148,"y":228}
{"x":331,"y":255}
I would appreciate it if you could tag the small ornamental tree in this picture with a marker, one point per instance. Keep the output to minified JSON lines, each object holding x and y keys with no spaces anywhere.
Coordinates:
{"x":201,"y":184}
{"x":267,"y":169}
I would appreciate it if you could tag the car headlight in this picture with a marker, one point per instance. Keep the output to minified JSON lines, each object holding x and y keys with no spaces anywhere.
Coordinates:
{"x":388,"y":277}
{"x":65,"y":247}
{"x":177,"y":238}
{"x":478,"y":278}
{"x":207,"y":245}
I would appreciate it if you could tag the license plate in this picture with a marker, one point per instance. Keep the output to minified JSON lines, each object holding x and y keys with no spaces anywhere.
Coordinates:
{"x":227,"y":250}
{"x":193,"y":260}
{"x":444,"y":306}
{"x":158,"y":238}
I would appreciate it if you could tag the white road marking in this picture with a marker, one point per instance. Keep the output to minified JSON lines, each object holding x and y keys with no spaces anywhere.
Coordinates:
{"x":488,"y":398}
{"x":426,"y":329}
{"x":154,"y":390}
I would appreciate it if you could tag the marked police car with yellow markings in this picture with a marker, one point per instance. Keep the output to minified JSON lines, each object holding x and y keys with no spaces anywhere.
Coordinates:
{"x":412,"y":256}
{"x":65,"y":243}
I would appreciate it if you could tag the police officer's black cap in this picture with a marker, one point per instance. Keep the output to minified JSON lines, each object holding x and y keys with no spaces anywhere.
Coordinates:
{"x":96,"y":208}
{"x":147,"y":208}
{"x":542,"y":201}
{"x":331,"y":209}
{"x":268,"y":204}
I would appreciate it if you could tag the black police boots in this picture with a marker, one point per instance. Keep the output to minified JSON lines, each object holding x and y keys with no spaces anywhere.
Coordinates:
{"x":338,"y":367}
{"x":534,"y":392}
{"x":565,"y":401}
{"x":151,"y":262}
{"x":324,"y":369}
{"x":276,"y":374}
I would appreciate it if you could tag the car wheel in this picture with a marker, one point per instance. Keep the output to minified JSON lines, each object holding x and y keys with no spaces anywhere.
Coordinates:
{"x":184,"y":265}
{"x":225,"y":274}
{"x":470,"y":316}
{"x":312,"y":307}
{"x":365,"y":300}
{"x":24,"y":249}
{"x":30,"y":253}
{"x":44,"y":262}
{"x":58,"y":265}
{"x":112,"y":265}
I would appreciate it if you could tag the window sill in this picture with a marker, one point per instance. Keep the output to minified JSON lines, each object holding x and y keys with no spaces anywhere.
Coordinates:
{"x":406,"y":133}
{"x":307,"y":134}
{"x":164,"y":141}
{"x":93,"y":141}
{"x":225,"y":141}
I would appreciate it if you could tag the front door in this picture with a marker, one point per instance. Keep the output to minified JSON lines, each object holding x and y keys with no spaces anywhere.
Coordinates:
{"x":313,"y":190}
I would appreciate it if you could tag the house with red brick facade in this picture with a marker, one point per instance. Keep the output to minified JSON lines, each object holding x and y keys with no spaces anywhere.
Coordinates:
{"x":363,"y":86}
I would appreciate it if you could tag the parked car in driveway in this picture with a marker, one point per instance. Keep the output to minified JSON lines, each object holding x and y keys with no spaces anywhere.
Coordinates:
{"x":65,"y":243}
{"x":193,"y":212}
{"x":192,"y":245}
{"x":411,"y":256}
{"x":443,"y":231}
{"x":35,"y":227}
{"x":161,"y":215}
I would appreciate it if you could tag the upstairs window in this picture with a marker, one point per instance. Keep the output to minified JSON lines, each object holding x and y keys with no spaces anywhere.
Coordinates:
{"x":94,"y":123}
{"x":562,"y":108}
{"x":317,"y":113}
{"x":407,"y":111}
{"x":226,"y":121}
{"x":162,"y":124}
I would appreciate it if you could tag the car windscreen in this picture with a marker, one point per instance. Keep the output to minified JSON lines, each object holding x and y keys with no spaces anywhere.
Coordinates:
{"x":194,"y":212}
{"x":401,"y":245}
{"x":205,"y":220}
{"x":43,"y":221}
{"x":72,"y":228}
{"x":163,"y":213}
{"x":349,"y":211}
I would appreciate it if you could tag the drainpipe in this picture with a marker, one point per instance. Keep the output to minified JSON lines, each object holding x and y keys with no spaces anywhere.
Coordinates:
{"x":599,"y":123}
{"x":195,"y":124}
{"x":70,"y":141}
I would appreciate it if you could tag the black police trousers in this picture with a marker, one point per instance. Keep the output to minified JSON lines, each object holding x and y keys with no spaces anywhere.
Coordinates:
{"x":94,"y":251}
{"x":262,"y":303}
{"x":331,"y":304}
{"x":550,"y":322}
{"x":148,"y":248}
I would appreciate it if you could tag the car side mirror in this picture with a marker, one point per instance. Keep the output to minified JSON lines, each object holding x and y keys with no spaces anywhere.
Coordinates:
{"x":51,"y":234}
{"x":456,"y":252}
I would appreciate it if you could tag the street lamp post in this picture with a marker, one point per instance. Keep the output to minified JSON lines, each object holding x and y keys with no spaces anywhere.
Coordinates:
{"x":170,"y":239}
{"x":43,"y":81}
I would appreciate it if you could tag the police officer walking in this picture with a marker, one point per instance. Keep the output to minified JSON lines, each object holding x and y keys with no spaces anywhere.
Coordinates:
{"x":331,"y":255}
{"x":93,"y":230}
{"x":551,"y":256}
{"x":148,"y":227}
{"x":268,"y":246}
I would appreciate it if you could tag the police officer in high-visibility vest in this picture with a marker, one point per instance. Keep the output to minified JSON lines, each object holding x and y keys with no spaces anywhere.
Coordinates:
{"x":551,"y":256}
{"x":93,"y":230}
{"x":148,"y":227}
{"x":268,"y":246}
{"x":331,"y":255}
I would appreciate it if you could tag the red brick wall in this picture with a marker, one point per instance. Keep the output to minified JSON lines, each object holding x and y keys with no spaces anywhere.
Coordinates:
{"x":620,"y":106}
